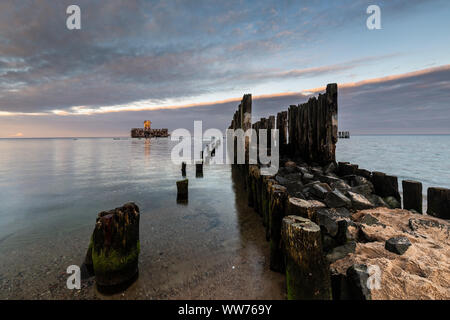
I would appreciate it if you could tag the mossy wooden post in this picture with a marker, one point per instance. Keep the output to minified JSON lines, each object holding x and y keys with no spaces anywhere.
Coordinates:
{"x":276,"y":214}
{"x":304,"y":208}
{"x":307,"y":272}
{"x":115,"y":246}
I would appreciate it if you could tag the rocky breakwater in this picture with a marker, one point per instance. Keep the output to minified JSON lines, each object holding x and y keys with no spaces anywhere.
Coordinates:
{"x":114,"y":247}
{"x":362,"y":232}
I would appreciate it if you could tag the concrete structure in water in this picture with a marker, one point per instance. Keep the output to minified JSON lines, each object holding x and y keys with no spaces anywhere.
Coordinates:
{"x":148,"y":132}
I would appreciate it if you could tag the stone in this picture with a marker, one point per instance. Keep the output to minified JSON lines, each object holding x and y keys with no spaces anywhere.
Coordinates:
{"x":330,"y":168}
{"x":369,"y":220}
{"x":307,"y":271}
{"x":328,"y":179}
{"x":334,"y":222}
{"x":303,"y":208}
{"x":357,"y":276}
{"x":341,"y":186}
{"x":377,"y":201}
{"x":412,"y":195}
{"x":281,"y":180}
{"x":115,"y":246}
{"x":392,"y":202}
{"x":438,"y":200}
{"x":308,"y":177}
{"x":336,"y":199}
{"x":320,"y":190}
{"x":182,"y":190}
{"x":341,"y":251}
{"x":345,"y":168}
{"x":397,"y":245}
{"x":359,"y":202}
{"x":364,"y":189}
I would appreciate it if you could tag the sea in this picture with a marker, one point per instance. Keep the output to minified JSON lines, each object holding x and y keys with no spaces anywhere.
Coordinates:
{"x":51,"y":191}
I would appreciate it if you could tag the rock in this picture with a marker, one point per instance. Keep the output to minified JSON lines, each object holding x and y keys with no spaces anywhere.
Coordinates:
{"x":359,"y":202}
{"x":307,"y":272}
{"x":330,"y":168}
{"x":357,"y":276}
{"x":328,"y":242}
{"x":182,"y":190}
{"x":115,"y":245}
{"x":416,"y":224}
{"x":345,"y":168}
{"x":340,"y":185}
{"x":364,"y":173}
{"x":364,"y":189}
{"x":320,"y":190}
{"x":438,"y":202}
{"x":290,"y":164}
{"x":369,"y":220}
{"x":336,"y":199}
{"x":377,"y":201}
{"x":317,"y":171}
{"x":412,"y":195}
{"x":303,"y":170}
{"x":341,"y":251}
{"x":303,"y":208}
{"x":328,"y":179}
{"x":281,"y":180}
{"x":308,"y":177}
{"x":397,"y":245}
{"x":392,"y":202}
{"x":334,"y":221}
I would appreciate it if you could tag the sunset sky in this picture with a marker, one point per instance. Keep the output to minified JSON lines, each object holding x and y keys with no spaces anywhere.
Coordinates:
{"x":174,"y":62}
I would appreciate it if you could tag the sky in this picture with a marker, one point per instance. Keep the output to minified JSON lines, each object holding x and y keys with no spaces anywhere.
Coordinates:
{"x":174,"y":62}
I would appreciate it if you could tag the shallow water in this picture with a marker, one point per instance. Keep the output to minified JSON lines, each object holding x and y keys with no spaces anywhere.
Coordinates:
{"x":52,"y":189}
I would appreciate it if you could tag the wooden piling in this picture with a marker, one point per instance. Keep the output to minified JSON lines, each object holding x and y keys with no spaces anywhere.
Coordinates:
{"x":307,"y":272}
{"x":182,"y":190}
{"x":412,"y":195}
{"x":276,"y":214}
{"x":438,"y":200}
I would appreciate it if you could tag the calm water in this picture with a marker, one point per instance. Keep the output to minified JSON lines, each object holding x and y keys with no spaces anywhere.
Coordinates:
{"x":421,"y":158}
{"x":52,"y":189}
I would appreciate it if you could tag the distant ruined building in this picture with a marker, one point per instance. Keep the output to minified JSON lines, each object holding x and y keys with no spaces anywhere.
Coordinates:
{"x":148,"y":132}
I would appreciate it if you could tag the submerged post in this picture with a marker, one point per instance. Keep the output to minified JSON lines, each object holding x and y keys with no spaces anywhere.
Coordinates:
{"x":182,"y":190}
{"x":183,"y":169}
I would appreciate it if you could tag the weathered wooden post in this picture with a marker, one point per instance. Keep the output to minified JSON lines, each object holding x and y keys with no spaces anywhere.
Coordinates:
{"x":113,"y":252}
{"x":276,"y":214}
{"x":182,"y":190}
{"x":438,"y":202}
{"x":412,"y":195}
{"x":183,"y":169}
{"x":199,"y":170}
{"x":307,"y":272}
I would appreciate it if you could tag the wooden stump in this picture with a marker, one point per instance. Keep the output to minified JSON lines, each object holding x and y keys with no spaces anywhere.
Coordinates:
{"x":182,"y":190}
{"x":307,"y":272}
{"x":114,"y":248}
{"x":304,"y":208}
{"x":183,"y":169}
{"x":199,"y":170}
{"x":412,"y":195}
{"x":276,"y":214}
{"x":438,"y":202}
